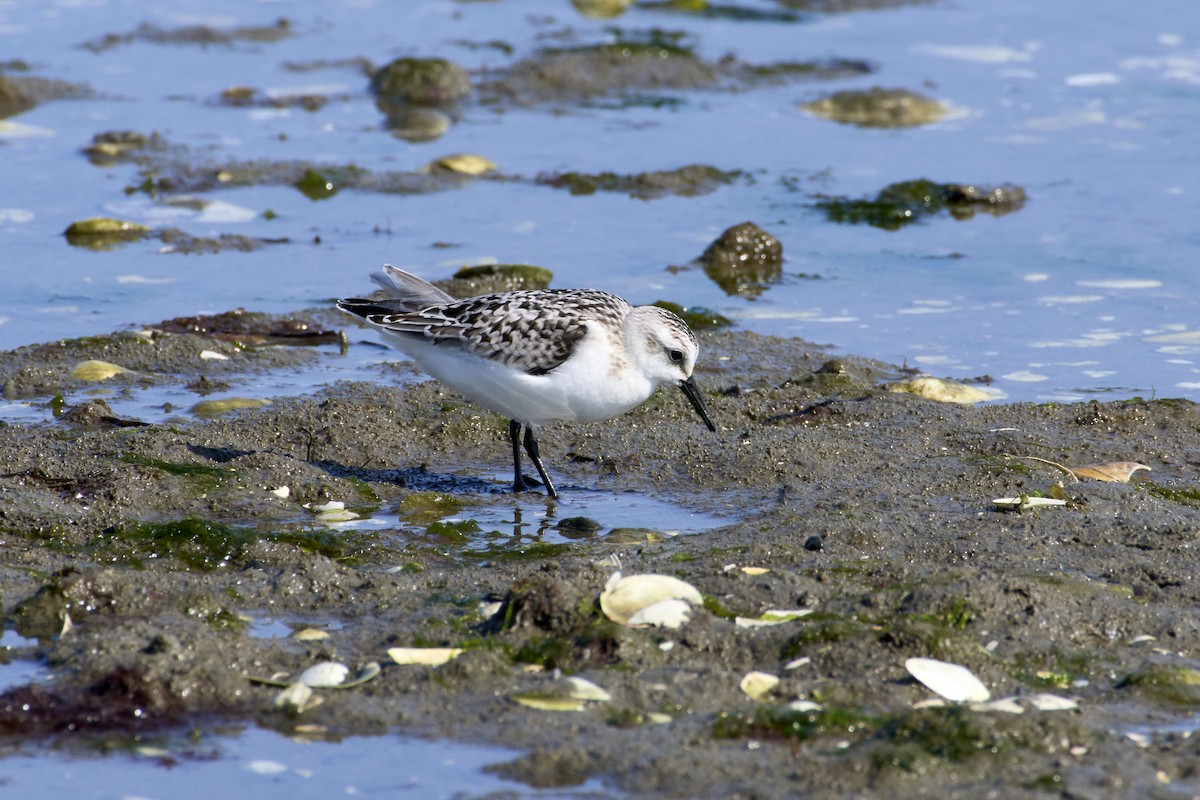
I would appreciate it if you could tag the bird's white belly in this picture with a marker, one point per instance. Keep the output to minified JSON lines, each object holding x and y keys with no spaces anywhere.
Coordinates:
{"x":588,"y":386}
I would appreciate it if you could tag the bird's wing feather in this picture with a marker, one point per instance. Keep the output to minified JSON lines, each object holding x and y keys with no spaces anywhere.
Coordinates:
{"x":534,"y":331}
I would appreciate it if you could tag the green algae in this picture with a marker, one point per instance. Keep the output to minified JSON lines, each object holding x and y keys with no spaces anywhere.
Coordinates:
{"x":425,"y":508}
{"x":321,"y":183}
{"x":688,"y":181}
{"x":1184,"y":495}
{"x":767,"y":722}
{"x":904,"y":203}
{"x":698,"y":318}
{"x":206,"y":545}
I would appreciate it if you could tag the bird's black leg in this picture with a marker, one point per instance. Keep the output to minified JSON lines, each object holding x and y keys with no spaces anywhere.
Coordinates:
{"x":514,"y":436}
{"x":531,"y":447}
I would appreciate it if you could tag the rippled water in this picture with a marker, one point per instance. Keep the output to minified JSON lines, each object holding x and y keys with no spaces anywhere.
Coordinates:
{"x":1089,"y":290}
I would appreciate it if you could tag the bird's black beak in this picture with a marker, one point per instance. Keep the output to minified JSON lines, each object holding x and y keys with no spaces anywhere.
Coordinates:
{"x":697,"y":400}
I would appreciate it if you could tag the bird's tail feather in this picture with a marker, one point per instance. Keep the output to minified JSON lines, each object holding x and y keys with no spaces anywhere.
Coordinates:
{"x":406,"y":292}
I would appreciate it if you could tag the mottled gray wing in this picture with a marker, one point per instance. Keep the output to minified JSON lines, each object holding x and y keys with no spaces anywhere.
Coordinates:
{"x":534,"y":331}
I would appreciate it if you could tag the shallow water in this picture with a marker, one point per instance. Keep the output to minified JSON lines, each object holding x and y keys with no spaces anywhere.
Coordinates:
{"x":1087,"y":291}
{"x":1090,"y":290}
{"x":262,"y":763}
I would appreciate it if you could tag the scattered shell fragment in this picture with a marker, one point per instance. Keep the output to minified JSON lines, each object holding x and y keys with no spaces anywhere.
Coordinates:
{"x":464,"y":164}
{"x":296,"y":697}
{"x":1113,"y":472}
{"x":264,"y":767}
{"x":623,"y":597}
{"x":1053,"y":702}
{"x":94,"y":371}
{"x":941,"y":391}
{"x":1004,"y":705}
{"x":423,"y":656}
{"x":282,"y":492}
{"x":324,"y":675}
{"x":951,"y":681}
{"x":1025,"y":502}
{"x":215,"y":408}
{"x":333,"y":511}
{"x":773,"y":616}
{"x":310,"y":635}
{"x":663,"y":614}
{"x":757,"y":685}
{"x":1145,"y":637}
{"x":804,"y":705}
{"x":565,"y":694}
{"x":796,"y":663}
{"x":213,"y":355}
{"x":755,"y":570}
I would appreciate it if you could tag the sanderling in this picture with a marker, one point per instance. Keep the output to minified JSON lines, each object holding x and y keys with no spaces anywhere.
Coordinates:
{"x":537,"y":355}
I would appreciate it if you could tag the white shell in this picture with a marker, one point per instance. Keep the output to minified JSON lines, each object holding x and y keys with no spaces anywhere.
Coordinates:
{"x":264,"y":767}
{"x":804,"y":705}
{"x":310,"y":635}
{"x":773,"y":616}
{"x":213,"y":355}
{"x":423,"y":656}
{"x":1005,"y":705}
{"x":663,"y":614}
{"x":567,"y":694}
{"x":296,"y":697}
{"x":283,"y":492}
{"x":1024,"y":501}
{"x":625,"y":596}
{"x":1053,"y":702}
{"x":758,"y":685}
{"x":951,"y":681}
{"x":324,"y":675}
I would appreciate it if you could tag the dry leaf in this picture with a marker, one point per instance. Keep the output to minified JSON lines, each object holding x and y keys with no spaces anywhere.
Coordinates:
{"x":1113,"y":472}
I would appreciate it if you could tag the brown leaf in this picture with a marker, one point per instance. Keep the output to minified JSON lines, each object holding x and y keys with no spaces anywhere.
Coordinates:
{"x":1113,"y":472}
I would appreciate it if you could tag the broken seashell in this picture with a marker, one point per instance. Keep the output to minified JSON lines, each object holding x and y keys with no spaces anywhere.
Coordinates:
{"x":566,"y":694}
{"x":324,"y":675}
{"x":804,"y":705}
{"x":941,"y":391}
{"x":773,"y":616}
{"x":1053,"y":702}
{"x":1025,"y":502}
{"x":463,"y":163}
{"x":758,"y":685}
{"x":1113,"y":472}
{"x":951,"y":681}
{"x":625,"y":596}
{"x":423,"y":656}
{"x":1006,"y":705}
{"x":296,"y":697}
{"x":213,"y":355}
{"x":310,"y":635}
{"x":283,"y":492}
{"x":663,"y":614}
{"x":94,"y":371}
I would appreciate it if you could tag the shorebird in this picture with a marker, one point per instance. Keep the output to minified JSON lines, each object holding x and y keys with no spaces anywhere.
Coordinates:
{"x":536,"y":355}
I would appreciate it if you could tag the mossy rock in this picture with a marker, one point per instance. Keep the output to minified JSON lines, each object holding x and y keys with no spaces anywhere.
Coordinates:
{"x":743,"y":260}
{"x":422,"y":81}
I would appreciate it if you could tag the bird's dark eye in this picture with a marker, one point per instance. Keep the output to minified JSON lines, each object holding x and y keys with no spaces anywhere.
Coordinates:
{"x":676,"y":356}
